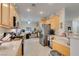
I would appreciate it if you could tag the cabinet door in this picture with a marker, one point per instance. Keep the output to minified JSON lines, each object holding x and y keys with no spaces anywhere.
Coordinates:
{"x":61,"y":48}
{"x":55,"y":22}
{"x":0,"y":13}
{"x":5,"y":14}
{"x":11,"y":15}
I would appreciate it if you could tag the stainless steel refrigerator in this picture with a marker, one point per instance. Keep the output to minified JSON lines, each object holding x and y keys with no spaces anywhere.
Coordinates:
{"x":44,"y":35}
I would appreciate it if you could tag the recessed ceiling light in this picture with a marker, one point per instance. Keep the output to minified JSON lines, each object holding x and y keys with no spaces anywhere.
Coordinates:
{"x":28,"y":10}
{"x":41,"y":12}
{"x":29,"y":22}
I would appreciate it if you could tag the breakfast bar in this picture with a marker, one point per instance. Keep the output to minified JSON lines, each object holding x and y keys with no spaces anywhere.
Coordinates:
{"x":61,"y":44}
{"x":12,"y":48}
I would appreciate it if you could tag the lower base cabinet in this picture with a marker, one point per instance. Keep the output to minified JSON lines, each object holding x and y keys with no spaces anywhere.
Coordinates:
{"x":65,"y":51}
{"x":19,"y":53}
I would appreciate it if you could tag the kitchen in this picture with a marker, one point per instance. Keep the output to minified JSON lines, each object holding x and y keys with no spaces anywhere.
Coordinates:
{"x":14,"y":21}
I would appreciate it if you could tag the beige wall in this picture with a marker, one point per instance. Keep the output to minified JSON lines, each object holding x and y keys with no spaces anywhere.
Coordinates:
{"x":2,"y":30}
{"x":61,"y":14}
{"x":43,"y":21}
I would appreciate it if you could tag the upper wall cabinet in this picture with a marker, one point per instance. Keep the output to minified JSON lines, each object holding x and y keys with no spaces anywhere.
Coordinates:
{"x":43,"y":21}
{"x":11,"y":15}
{"x":54,"y":21}
{"x":7,"y":11}
{"x":0,"y":13}
{"x":5,"y":14}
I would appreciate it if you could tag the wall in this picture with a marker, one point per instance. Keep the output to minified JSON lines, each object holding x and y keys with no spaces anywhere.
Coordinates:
{"x":68,"y":18}
{"x":75,"y":25}
{"x":61,"y":14}
{"x":71,"y":14}
{"x":23,"y":24}
{"x":65,"y":19}
{"x":2,"y":30}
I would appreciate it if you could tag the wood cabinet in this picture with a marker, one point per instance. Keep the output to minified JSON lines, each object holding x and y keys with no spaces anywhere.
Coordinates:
{"x":7,"y":11}
{"x":61,"y":48}
{"x":5,"y":14}
{"x":11,"y":15}
{"x":0,"y":13}
{"x":54,"y":21}
{"x":19,"y":53}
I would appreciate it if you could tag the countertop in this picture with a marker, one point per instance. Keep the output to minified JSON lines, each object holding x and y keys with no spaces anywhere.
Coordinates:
{"x":75,"y":37}
{"x":10,"y":48}
{"x":61,"y":40}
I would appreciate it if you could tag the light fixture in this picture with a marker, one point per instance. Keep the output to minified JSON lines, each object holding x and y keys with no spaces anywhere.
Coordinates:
{"x":29,"y":22}
{"x":41,"y":12}
{"x":28,"y":10}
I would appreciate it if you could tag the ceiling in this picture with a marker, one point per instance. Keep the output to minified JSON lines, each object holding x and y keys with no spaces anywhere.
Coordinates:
{"x":47,"y":8}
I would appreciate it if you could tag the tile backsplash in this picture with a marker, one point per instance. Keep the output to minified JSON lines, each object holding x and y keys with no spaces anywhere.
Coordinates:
{"x":2,"y":30}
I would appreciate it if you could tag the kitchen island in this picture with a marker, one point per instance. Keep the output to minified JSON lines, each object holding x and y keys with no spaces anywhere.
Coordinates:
{"x":12,"y":48}
{"x":60,"y":44}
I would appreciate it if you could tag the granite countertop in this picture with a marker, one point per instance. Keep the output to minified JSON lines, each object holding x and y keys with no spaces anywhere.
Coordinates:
{"x":61,"y":40}
{"x":75,"y":37}
{"x":10,"y":48}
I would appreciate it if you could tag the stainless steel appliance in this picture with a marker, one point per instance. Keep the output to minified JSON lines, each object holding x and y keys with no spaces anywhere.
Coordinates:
{"x":44,"y":35}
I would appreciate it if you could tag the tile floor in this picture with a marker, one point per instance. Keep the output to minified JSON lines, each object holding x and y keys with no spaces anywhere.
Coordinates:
{"x":32,"y":47}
